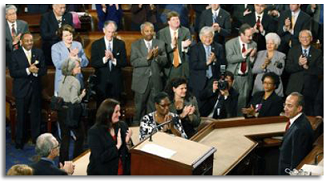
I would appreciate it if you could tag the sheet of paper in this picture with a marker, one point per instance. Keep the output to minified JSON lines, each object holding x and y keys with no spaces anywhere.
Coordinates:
{"x":158,"y":150}
{"x":314,"y":169}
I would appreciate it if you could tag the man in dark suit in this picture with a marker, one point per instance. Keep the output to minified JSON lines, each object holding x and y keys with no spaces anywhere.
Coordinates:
{"x":262,"y":24}
{"x":239,"y":11}
{"x":14,"y":29}
{"x":220,"y":100}
{"x":108,"y":57}
{"x":26,"y":67}
{"x":298,"y":138}
{"x":49,"y":25}
{"x":240,"y":55}
{"x":219,"y":19}
{"x":304,"y":64}
{"x":290,"y":23}
{"x":142,"y":13}
{"x":48,"y":148}
{"x":206,"y":58}
{"x":148,"y":57}
{"x":177,"y":41}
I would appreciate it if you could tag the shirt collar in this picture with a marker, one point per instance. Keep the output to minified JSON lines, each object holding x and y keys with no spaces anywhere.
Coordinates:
{"x":10,"y":24}
{"x":216,"y":11}
{"x":295,"y":13}
{"x":261,"y":15}
{"x":305,"y":49}
{"x":295,"y":118}
{"x":172,"y":32}
{"x":242,"y":43}
{"x":26,"y":51}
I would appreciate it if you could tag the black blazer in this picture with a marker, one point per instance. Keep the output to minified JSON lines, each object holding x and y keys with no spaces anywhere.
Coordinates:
{"x":302,"y":80}
{"x":272,"y":106}
{"x":44,"y":167}
{"x":198,"y":67}
{"x":104,"y":75}
{"x":22,"y":82}
{"x":303,"y":23}
{"x":223,"y":19}
{"x":297,"y":143}
{"x":269,"y":26}
{"x":229,"y":105}
{"x":104,"y":158}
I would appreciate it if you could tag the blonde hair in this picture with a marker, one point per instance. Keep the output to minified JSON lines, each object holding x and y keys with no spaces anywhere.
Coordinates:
{"x":20,"y":169}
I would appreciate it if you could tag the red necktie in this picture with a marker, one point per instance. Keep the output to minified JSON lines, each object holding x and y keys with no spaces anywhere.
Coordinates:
{"x":287,"y":125}
{"x":13,"y":35}
{"x":258,"y":23}
{"x":244,"y":63}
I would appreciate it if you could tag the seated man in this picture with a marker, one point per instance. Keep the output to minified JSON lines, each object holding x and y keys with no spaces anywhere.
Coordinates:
{"x":220,"y":100}
{"x":48,"y":148}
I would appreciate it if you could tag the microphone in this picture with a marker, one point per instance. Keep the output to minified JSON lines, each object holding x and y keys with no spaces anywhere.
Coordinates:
{"x":174,"y":120}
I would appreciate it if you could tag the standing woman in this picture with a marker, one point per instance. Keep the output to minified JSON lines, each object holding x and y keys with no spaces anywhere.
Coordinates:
{"x":67,"y":48}
{"x":269,"y":60}
{"x":183,"y":104}
{"x":109,"y":140}
{"x":69,"y":90}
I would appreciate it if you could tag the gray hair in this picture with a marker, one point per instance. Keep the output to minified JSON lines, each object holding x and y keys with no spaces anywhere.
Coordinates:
{"x":9,"y":7}
{"x":106,"y":23}
{"x":273,"y":36}
{"x":142,"y":26}
{"x":307,"y":31}
{"x":206,"y":30}
{"x":300,"y":98}
{"x":44,"y":144}
{"x":68,"y":66}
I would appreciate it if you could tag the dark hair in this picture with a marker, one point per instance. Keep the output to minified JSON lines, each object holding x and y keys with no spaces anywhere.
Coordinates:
{"x":26,"y":33}
{"x":160,"y":96}
{"x":301,"y":101}
{"x":105,"y":111}
{"x":171,"y":15}
{"x":274,"y":76}
{"x":243,"y":28}
{"x":176,"y":82}
{"x":66,"y":27}
{"x":230,"y":74}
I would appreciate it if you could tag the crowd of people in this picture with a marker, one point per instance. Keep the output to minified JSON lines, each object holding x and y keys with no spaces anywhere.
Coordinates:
{"x":272,"y":61}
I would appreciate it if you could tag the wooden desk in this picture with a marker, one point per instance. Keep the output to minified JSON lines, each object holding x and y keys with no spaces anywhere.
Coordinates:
{"x":316,"y":154}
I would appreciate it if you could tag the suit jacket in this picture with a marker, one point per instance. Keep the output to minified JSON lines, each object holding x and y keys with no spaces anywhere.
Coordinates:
{"x":277,"y":66}
{"x":22,"y":27}
{"x":198,"y":67}
{"x":111,"y":14}
{"x":60,"y":53}
{"x":144,"y":69}
{"x":272,"y":106}
{"x":302,"y":80}
{"x":143,"y":14}
{"x":269,"y":26}
{"x":237,"y":13}
{"x":223,"y":19}
{"x":104,"y":158}
{"x":297,"y":143}
{"x":165,"y":36}
{"x":44,"y":167}
{"x":303,"y":22}
{"x":315,"y":19}
{"x":234,"y":56}
{"x":209,"y":98}
{"x":102,"y":71}
{"x":22,"y":81}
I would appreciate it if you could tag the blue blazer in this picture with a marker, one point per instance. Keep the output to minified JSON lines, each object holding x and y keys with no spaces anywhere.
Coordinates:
{"x":59,"y":53}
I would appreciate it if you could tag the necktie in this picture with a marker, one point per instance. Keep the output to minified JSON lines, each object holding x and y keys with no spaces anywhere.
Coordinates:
{"x":29,"y":57}
{"x":292,"y":22}
{"x":305,"y":53}
{"x":244,"y":63}
{"x":149,"y":46}
{"x":209,"y":73}
{"x":176,"y":52}
{"x":215,"y":17}
{"x":258,"y":22}
{"x":13,"y":35}
{"x":287,"y":125}
{"x":60,"y":22}
{"x":110,"y":62}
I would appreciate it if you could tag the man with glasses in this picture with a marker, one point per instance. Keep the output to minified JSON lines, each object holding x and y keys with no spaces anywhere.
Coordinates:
{"x":298,"y":138}
{"x":48,"y":148}
{"x":304,"y":64}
